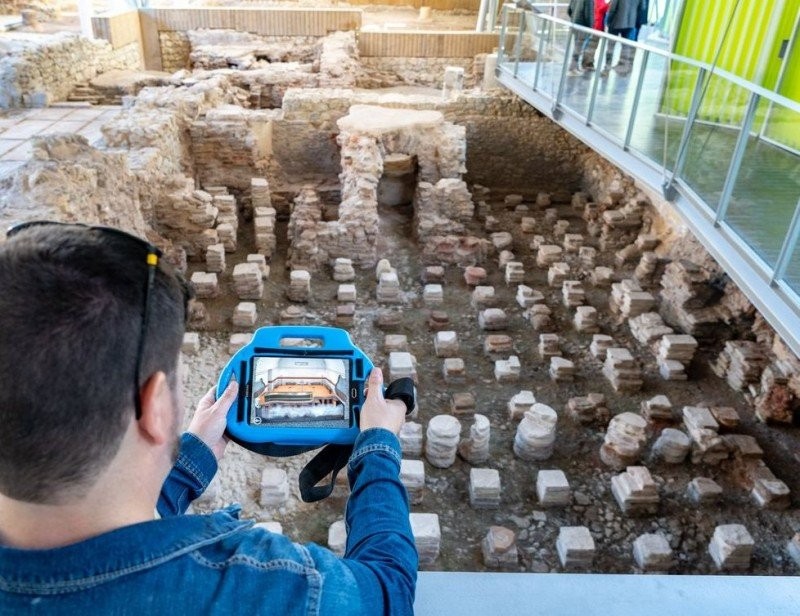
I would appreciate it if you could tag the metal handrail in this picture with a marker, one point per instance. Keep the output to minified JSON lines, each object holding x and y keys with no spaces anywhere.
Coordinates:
{"x":762,"y":92}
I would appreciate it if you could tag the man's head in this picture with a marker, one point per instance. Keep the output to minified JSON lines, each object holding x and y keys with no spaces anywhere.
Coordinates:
{"x":72,"y":302}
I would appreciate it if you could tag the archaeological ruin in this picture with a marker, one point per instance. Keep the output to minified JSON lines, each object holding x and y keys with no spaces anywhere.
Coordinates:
{"x":595,"y":393}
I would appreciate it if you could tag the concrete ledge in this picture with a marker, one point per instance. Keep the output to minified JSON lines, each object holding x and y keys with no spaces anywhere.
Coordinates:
{"x":568,"y":594}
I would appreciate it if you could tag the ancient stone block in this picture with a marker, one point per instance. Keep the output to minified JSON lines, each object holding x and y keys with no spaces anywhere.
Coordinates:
{"x":575,"y":547}
{"x":484,"y":488}
{"x":536,"y":433}
{"x":205,"y":285}
{"x":475,"y":448}
{"x":427,"y":536}
{"x":248,"y":282}
{"x":432,"y":294}
{"x":507,"y":370}
{"x":520,"y":404}
{"x":704,"y":491}
{"x":672,"y":446}
{"x":346,"y":293}
{"x":499,"y":547}
{"x":245,"y":315}
{"x":731,"y":547}
{"x":498,"y":343}
{"x":411,"y":439}
{"x":635,"y":491}
{"x":652,"y":552}
{"x":237,"y":341}
{"x":274,"y":487}
{"x":552,"y":488}
{"x":191,"y":343}
{"x":337,"y":537}
{"x":402,"y":364}
{"x":462,"y":403}
{"x":492,"y":319}
{"x":624,"y":440}
{"x":442,"y":440}
{"x":445,"y":344}
{"x":453,"y":370}
{"x":412,"y":476}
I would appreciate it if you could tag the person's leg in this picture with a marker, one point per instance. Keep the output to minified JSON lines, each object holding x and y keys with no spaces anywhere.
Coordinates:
{"x":588,"y":51}
{"x":627,"y":53}
{"x":577,"y":45}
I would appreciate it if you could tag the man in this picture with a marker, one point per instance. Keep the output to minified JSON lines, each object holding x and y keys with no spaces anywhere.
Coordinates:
{"x":89,"y":316}
{"x":581,"y":12}
{"x":622,"y":21}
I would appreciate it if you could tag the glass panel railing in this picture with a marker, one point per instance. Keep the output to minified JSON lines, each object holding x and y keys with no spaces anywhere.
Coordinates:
{"x":792,"y":276}
{"x":712,"y":141}
{"x":766,"y":193}
{"x":621,"y":69}
{"x":658,"y":123}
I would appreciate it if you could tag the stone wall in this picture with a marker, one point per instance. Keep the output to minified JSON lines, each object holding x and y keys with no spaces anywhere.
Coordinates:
{"x":382,"y":72}
{"x":175,"y":51}
{"x":511,"y":147}
{"x":35,"y":73}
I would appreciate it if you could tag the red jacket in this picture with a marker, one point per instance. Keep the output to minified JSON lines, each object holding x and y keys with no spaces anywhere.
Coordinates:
{"x":600,"y":10}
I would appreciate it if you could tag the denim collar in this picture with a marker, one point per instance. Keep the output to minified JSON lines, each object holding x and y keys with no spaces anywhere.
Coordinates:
{"x":120,"y":552}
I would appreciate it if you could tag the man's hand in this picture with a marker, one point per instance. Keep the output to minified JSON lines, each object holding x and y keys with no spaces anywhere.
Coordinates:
{"x":380,"y":413}
{"x":208,"y":423}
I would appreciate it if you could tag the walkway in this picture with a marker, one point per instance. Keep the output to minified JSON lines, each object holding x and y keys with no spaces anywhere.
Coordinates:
{"x":19,"y":127}
{"x":724,"y":169}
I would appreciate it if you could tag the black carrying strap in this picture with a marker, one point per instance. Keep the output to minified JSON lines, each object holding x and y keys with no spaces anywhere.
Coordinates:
{"x":332,"y":458}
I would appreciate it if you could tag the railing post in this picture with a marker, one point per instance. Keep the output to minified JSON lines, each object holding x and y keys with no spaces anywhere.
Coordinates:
{"x":736,"y":158}
{"x":520,"y":33}
{"x":596,"y":80}
{"x":788,"y":247}
{"x":557,"y":113}
{"x":694,"y":107}
{"x":540,"y":51}
{"x":501,"y":48}
{"x":637,"y":95}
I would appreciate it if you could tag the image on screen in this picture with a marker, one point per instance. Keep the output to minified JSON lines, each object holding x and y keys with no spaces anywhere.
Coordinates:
{"x":290,"y":389}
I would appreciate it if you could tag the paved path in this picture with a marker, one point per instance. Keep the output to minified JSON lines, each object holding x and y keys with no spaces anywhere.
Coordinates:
{"x":18,"y":127}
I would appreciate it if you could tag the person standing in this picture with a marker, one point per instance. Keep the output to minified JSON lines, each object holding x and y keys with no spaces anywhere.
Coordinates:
{"x":581,"y":12}
{"x":590,"y":44}
{"x":622,"y":18}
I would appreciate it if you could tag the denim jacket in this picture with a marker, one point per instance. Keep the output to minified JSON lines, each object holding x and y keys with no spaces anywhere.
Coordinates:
{"x":217,"y":564}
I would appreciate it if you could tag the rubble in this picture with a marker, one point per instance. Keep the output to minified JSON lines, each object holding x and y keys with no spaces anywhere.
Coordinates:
{"x":337,"y":537}
{"x":520,"y":404}
{"x":704,"y":491}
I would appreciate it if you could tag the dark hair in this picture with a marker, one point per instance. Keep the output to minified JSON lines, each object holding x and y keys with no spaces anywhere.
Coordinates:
{"x":71,"y":309}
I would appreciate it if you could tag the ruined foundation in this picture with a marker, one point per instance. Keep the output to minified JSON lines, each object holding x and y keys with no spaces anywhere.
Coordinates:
{"x":591,"y":395}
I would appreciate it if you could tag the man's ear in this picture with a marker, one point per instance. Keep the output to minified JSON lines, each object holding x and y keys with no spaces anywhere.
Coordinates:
{"x":157,"y":423}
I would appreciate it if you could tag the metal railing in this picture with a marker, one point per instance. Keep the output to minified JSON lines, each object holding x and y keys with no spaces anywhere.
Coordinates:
{"x":724,"y":150}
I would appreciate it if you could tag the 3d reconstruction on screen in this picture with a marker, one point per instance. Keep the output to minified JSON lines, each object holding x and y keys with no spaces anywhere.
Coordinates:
{"x":298,"y":389}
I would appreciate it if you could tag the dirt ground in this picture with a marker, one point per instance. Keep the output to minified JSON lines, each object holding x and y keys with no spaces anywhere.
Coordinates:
{"x":687,"y":527}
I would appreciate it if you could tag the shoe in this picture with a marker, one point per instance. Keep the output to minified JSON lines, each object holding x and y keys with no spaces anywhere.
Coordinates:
{"x":588,"y":67}
{"x":573,"y":72}
{"x":622,"y":69}
{"x":604,"y":72}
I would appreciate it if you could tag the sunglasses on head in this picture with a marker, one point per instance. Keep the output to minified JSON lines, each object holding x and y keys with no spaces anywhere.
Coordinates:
{"x":152,"y":259}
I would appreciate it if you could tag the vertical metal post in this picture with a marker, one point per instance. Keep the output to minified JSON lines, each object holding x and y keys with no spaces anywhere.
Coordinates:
{"x":518,"y":46}
{"x":557,"y":113}
{"x":680,"y":160}
{"x":480,"y":26}
{"x":540,"y":50}
{"x":501,"y":48}
{"x":596,"y":80}
{"x":636,"y":96}
{"x":788,"y":248}
{"x":492,"y":15}
{"x":779,"y":82}
{"x":736,"y":158}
